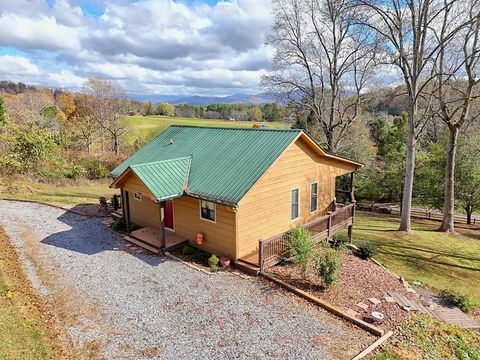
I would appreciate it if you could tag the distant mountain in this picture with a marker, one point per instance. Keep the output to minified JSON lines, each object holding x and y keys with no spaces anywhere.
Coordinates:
{"x":254,"y":99}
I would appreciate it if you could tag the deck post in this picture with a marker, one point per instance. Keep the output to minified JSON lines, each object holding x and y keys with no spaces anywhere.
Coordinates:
{"x":260,"y":254}
{"x":329,"y":228}
{"x":127,"y":212}
{"x":162,"y":225}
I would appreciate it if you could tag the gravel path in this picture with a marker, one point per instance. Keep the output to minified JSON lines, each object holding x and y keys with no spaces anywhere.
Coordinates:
{"x":123,"y":305}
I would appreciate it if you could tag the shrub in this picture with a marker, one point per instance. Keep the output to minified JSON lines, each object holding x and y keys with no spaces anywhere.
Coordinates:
{"x":75,"y":172}
{"x":95,"y":169}
{"x":188,"y":250}
{"x":213,"y":262}
{"x":460,"y":300}
{"x":301,"y":247}
{"x":366,"y":250}
{"x":134,"y":227}
{"x":340,"y":240}
{"x":118,"y":224}
{"x":327,"y":264}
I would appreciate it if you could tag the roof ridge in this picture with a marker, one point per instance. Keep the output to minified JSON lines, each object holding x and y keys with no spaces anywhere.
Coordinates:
{"x":235,"y":128}
{"x":161,"y":161}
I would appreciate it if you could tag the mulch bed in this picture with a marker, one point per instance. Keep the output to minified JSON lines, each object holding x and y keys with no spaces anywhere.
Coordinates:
{"x":358,"y":280}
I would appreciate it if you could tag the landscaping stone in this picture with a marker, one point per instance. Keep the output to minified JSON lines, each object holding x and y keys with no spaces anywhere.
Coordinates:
{"x":374,"y":301}
{"x":351,"y":312}
{"x":362,"y":306}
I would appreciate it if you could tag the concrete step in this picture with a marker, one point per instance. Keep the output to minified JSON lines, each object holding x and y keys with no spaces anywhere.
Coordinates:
{"x":141,"y":244}
{"x":248,"y":268}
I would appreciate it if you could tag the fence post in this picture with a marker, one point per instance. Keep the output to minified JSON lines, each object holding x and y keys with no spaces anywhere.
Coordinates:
{"x":329,"y":229}
{"x":260,"y":255}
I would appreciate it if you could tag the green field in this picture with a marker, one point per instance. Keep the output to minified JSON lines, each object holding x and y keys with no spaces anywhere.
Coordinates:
{"x":438,"y":260}
{"x":145,"y":127}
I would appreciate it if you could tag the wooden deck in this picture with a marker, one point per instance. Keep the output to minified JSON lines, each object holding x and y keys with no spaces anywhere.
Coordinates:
{"x":149,"y":238}
{"x":271,"y":250}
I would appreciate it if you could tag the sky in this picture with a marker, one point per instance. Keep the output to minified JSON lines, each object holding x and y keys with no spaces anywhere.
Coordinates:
{"x":167,"y":47}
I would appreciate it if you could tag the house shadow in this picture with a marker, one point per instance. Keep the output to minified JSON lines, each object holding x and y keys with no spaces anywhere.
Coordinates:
{"x":89,"y":236}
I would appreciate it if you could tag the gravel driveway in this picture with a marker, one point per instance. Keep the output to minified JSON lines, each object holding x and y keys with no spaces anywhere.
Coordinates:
{"x":117,"y":304}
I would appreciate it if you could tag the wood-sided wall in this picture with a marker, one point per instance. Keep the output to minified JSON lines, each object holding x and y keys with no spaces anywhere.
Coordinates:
{"x":219,"y":236}
{"x":265,"y":210}
{"x":144,"y":212}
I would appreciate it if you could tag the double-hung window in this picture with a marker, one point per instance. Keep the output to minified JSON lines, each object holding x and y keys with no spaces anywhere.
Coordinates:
{"x":313,"y":197}
{"x":207,"y":210}
{"x":294,"y":207}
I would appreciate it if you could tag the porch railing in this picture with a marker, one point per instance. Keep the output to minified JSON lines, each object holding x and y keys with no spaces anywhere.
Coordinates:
{"x":271,"y":250}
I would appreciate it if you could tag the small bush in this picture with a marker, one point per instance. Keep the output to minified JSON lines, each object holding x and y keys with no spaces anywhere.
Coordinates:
{"x":75,"y":172}
{"x":118,"y":225}
{"x":340,"y":240}
{"x":213,"y":262}
{"x":301,"y":247}
{"x":327,"y":264}
{"x":366,"y":250}
{"x":460,"y":300}
{"x":134,"y":227}
{"x":188,"y":250}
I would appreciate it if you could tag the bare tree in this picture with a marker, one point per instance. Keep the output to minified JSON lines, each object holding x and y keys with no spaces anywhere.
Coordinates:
{"x":322,"y":63}
{"x":457,"y":85}
{"x":108,"y":107}
{"x":408,"y":28}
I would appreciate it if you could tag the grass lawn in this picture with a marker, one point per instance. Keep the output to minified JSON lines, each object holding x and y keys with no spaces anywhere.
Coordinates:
{"x":24,"y":332}
{"x":61,"y":193}
{"x":438,"y":260}
{"x":145,"y":127}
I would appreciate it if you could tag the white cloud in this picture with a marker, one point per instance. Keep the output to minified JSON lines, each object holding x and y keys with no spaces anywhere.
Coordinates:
{"x":148,"y":45}
{"x":17,"y":66}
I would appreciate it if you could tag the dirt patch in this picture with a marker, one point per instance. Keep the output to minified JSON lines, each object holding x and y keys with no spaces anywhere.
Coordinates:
{"x":66,"y":307}
{"x":358,"y":281}
{"x":29,"y":303}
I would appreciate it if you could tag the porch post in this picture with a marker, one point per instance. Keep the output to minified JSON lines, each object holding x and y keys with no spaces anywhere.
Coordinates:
{"x":127,"y":212}
{"x":162,"y":225}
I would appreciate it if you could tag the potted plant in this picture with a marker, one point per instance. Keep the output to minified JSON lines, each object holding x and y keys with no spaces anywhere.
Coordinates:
{"x":225,"y":261}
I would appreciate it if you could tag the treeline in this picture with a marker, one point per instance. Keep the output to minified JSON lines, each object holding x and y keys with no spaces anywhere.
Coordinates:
{"x":238,"y":112}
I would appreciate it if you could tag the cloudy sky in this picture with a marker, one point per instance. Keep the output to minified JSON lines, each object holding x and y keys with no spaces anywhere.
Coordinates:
{"x":151,"y":46}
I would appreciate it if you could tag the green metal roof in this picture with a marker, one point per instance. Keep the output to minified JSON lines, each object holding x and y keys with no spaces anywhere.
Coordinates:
{"x":225,"y":162}
{"x":165,"y":179}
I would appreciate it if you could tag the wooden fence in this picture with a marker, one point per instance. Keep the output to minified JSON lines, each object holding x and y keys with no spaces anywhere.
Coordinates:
{"x":273,"y":249}
{"x":417,"y":213}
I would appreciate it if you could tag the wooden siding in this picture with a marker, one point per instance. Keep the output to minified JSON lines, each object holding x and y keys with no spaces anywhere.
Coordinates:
{"x":265,"y":210}
{"x":219,"y":237}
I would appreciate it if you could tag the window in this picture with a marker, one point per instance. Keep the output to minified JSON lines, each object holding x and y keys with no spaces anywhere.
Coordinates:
{"x":313,"y":197}
{"x":207,"y":210}
{"x":137,"y":196}
{"x":294,"y":204}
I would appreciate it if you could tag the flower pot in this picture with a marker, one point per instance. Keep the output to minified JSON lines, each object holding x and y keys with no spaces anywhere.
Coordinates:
{"x":225,"y":261}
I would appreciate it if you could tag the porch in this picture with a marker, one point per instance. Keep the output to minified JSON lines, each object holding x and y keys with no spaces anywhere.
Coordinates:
{"x":271,"y":250}
{"x":151,"y":238}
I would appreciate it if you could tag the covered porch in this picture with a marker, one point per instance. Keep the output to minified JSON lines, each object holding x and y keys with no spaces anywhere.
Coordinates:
{"x":151,"y":238}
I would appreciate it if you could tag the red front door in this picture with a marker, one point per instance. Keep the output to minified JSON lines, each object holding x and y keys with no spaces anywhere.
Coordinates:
{"x":168,"y":209}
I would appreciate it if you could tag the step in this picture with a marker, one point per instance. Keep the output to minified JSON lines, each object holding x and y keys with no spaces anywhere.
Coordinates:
{"x":248,"y":268}
{"x":142,"y":244}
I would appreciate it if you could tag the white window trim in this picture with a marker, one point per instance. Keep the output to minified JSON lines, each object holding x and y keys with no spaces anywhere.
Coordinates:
{"x":137,"y":198}
{"x":298,"y":217}
{"x":310,"y":205}
{"x":200,"y":211}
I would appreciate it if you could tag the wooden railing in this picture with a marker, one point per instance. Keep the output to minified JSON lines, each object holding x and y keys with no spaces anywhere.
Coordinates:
{"x":271,"y":250}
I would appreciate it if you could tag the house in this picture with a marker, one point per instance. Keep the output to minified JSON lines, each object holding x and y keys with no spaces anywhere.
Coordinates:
{"x":239,"y":188}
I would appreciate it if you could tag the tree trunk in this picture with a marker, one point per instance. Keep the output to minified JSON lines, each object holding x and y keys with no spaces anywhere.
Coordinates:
{"x":449,"y":200}
{"x":469,"y":218}
{"x":405,"y":221}
{"x":116,"y":148}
